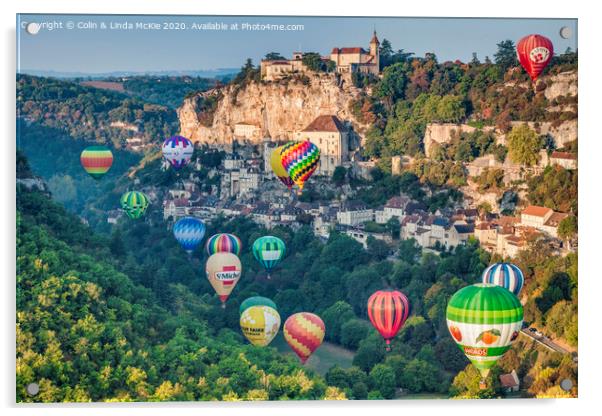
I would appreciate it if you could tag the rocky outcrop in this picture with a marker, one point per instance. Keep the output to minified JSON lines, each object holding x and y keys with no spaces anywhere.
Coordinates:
{"x":560,"y":85}
{"x":444,"y":132}
{"x":278,"y":109}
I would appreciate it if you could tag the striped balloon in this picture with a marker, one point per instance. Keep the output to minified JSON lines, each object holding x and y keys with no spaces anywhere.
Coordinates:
{"x":96,"y":160}
{"x":220,"y":243}
{"x":300,"y":159}
{"x":506,"y":275}
{"x":256,"y":301}
{"x":304,"y":333}
{"x":484,"y":320}
{"x":134,"y":204}
{"x":388,"y":311}
{"x":177,"y":150}
{"x":269,"y":251}
{"x":189,"y":232}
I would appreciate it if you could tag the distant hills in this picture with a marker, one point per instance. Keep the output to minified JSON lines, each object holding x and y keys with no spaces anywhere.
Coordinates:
{"x":207,"y":73}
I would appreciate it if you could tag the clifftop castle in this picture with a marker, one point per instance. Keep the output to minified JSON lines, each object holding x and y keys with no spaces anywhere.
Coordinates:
{"x":346,"y":59}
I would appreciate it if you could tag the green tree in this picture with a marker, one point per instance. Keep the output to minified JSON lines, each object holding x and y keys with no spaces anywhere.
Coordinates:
{"x":339,"y":175}
{"x":377,"y":249}
{"x":274,"y":56}
{"x":524,"y":145}
{"x":567,"y":229}
{"x":353,"y":332}
{"x":382,"y":378}
{"x":505,"y":57}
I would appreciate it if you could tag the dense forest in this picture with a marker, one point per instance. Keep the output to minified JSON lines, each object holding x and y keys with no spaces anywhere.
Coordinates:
{"x":87,"y":113}
{"x":167,"y":91}
{"x":87,"y":332}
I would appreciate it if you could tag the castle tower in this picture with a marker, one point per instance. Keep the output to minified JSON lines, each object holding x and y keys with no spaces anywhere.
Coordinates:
{"x":374,"y":50}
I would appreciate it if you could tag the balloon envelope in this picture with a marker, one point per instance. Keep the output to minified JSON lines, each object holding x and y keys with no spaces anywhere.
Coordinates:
{"x":534,"y":53}
{"x":260,"y":324}
{"x":269,"y":251}
{"x":96,"y":160}
{"x":177,"y":150}
{"x":189,"y":232}
{"x":388,"y":311}
{"x":134,"y":204}
{"x":304,"y":333}
{"x":256,"y":301}
{"x":278,"y":169}
{"x":223,"y":272}
{"x":219,"y":243}
{"x":484,"y":320}
{"x":506,"y":275}
{"x":300,"y":159}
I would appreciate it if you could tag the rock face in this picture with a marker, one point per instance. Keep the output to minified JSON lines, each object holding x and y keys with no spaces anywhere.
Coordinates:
{"x":278,"y":109}
{"x":562,"y":84}
{"x":442,"y":133}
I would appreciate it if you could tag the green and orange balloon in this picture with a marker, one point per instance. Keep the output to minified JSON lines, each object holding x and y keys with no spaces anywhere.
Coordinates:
{"x":484,"y":319}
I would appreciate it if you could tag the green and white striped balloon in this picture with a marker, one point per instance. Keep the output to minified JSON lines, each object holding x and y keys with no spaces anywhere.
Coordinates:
{"x":269,"y":251}
{"x":484,"y":320}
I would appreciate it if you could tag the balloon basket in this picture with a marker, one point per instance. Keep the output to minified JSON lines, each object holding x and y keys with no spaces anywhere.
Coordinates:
{"x":482,"y":385}
{"x":223,"y":306}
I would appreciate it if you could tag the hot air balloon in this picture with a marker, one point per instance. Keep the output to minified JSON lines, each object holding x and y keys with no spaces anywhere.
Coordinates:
{"x":256,"y":301}
{"x":260,"y":324}
{"x":388,"y":311}
{"x":278,"y":169}
{"x":134,"y":204}
{"x":269,"y":251}
{"x":189,"y":232}
{"x":96,"y":161}
{"x":484,"y":320}
{"x":506,"y":275}
{"x":300,"y":159}
{"x":177,"y":150}
{"x":304,"y":333}
{"x":219,"y":243}
{"x":534,"y":54}
{"x":223,"y":272}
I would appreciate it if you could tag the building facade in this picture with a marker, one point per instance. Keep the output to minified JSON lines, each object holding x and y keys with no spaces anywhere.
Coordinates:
{"x":329,"y":134}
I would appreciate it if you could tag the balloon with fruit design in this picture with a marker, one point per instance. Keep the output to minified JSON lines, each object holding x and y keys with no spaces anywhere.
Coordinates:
{"x":484,"y":320}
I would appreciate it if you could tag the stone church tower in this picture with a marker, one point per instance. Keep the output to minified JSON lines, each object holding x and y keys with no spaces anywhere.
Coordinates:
{"x":374,"y":50}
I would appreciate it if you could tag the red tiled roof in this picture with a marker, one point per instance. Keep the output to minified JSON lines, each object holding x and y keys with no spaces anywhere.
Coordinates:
{"x":536,"y":211}
{"x":343,"y":51}
{"x":507,"y":380}
{"x":325,"y":123}
{"x":555,"y":219}
{"x":564,"y":155}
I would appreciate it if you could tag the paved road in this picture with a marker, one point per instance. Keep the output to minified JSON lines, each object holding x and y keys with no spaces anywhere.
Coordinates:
{"x":545,"y":341}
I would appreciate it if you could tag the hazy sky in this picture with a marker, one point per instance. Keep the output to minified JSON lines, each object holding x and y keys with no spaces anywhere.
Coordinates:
{"x":104,"y":50}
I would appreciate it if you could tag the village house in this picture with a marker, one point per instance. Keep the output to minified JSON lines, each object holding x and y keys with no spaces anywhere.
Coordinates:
{"x":329,"y":134}
{"x":564,"y":159}
{"x":395,"y":207}
{"x":510,"y":382}
{"x":435,"y":230}
{"x":246,"y":131}
{"x":354,"y":213}
{"x":542,"y":219}
{"x":175,"y":208}
{"x":361,"y":236}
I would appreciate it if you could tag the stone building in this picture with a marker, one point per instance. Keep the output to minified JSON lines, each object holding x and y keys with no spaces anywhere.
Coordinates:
{"x":357,"y":59}
{"x":332,"y":138}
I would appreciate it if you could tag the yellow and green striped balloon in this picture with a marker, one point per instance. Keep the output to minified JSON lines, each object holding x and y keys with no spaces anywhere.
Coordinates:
{"x":484,"y":320}
{"x":134,"y":204}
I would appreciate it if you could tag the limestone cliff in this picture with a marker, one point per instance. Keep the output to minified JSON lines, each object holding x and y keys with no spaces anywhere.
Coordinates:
{"x":278,"y":109}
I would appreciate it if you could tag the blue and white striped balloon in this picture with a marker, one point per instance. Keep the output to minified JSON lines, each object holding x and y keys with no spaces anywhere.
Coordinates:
{"x":505,"y":275}
{"x":189,"y":232}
